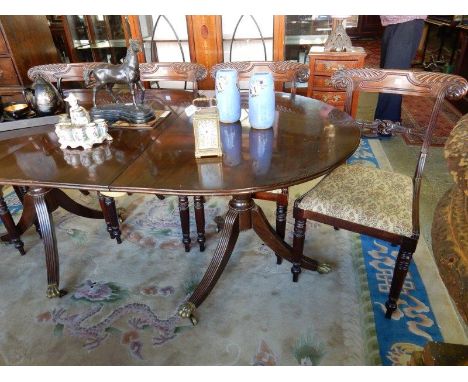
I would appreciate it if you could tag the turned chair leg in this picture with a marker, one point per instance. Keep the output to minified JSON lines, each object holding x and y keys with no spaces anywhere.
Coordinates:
{"x":281,"y":213}
{"x":200,"y":220}
{"x":298,"y":246}
{"x":110,"y":216}
{"x":402,"y":263}
{"x":105,"y":212}
{"x":10,"y":226}
{"x":185,"y":221}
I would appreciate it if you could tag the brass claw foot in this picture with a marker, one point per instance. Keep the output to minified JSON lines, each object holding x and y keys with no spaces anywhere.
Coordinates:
{"x":53,"y":291}
{"x":324,"y":268}
{"x":186,"y":310}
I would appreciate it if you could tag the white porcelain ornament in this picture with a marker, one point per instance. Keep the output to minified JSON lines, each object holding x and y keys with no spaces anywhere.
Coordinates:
{"x":78,"y":130}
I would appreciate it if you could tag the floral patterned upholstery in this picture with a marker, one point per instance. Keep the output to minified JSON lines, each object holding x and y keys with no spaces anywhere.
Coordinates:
{"x":366,"y":196}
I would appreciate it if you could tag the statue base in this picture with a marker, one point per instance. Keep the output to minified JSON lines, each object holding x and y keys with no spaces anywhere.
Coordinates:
{"x":123,"y":112}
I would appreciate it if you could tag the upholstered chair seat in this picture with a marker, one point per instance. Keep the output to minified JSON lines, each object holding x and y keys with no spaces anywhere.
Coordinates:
{"x":364,"y":195}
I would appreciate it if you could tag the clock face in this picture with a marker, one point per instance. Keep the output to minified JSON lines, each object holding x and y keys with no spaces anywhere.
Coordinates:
{"x":207,"y":134}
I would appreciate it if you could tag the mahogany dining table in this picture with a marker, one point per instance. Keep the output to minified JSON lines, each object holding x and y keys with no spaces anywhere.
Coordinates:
{"x":308,"y":139}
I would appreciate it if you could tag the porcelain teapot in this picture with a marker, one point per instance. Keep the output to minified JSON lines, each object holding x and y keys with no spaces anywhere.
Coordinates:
{"x":43,"y":97}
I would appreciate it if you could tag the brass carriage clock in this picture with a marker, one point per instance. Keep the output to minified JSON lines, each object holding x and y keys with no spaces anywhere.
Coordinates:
{"x":206,"y":128}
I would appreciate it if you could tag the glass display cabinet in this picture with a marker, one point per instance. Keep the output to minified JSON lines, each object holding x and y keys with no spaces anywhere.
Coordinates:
{"x":96,"y":37}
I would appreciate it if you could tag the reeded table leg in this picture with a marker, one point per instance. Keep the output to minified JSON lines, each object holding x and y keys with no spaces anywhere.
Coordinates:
{"x":223,"y":251}
{"x":48,"y":237}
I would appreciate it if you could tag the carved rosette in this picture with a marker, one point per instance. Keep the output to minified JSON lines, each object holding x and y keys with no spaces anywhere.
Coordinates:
{"x":456,"y":86}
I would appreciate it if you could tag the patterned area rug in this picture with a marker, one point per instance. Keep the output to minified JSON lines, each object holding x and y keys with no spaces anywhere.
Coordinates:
{"x":415,"y":114}
{"x":415,"y":110}
{"x":122,"y":300}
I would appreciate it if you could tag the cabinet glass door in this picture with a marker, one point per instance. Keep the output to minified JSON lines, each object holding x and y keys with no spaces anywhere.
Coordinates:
{"x":98,"y":37}
{"x":80,"y":39}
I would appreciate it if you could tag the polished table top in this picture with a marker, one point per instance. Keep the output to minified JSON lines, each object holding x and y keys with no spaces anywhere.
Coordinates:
{"x":308,"y":139}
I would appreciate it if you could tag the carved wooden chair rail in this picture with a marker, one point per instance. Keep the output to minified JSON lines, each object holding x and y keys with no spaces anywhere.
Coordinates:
{"x":151,"y":71}
{"x":282,"y":71}
{"x":404,"y":82}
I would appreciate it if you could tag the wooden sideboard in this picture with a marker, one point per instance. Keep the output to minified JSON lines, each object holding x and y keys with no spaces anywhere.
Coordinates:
{"x":322,"y":66}
{"x":25,"y":41}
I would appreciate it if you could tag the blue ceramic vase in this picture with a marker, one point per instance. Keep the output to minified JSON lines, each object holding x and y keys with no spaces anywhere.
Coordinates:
{"x":261,"y":101}
{"x":228,"y":95}
{"x":261,"y":149}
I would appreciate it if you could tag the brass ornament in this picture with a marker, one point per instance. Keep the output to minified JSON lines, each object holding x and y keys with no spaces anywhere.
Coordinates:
{"x":53,"y":291}
{"x":324,"y":268}
{"x":186,"y":310}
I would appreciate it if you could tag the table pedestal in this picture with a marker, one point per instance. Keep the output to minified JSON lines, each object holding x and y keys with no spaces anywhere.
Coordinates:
{"x":243,"y":214}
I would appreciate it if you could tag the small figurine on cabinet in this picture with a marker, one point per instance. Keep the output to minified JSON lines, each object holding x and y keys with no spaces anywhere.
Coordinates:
{"x":338,"y":41}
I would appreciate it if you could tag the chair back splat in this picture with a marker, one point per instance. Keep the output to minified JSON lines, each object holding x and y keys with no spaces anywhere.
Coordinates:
{"x":420,"y":84}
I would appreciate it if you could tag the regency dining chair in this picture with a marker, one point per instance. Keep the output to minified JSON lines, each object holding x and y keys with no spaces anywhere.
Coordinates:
{"x":368,"y":200}
{"x":282,"y":72}
{"x":151,"y":71}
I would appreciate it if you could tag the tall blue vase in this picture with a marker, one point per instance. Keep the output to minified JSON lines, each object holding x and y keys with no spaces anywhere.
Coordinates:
{"x":261,"y":101}
{"x":228,"y":95}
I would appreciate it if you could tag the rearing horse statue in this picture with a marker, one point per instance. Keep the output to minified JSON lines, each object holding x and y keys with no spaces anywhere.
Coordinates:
{"x":107,"y":75}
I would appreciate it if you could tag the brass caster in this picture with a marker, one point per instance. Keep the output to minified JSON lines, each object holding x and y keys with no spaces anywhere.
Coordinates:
{"x":186,"y":310}
{"x":53,"y":291}
{"x":121,"y":215}
{"x":193,"y":320}
{"x":324,"y":268}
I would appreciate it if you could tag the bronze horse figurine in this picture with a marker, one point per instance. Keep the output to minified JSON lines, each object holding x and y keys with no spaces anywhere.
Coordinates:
{"x":107,"y":75}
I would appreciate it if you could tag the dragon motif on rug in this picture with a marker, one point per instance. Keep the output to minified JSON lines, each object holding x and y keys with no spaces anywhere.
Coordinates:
{"x":142,"y":318}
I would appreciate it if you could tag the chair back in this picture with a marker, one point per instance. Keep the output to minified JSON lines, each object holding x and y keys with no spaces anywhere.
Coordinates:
{"x":405,"y":82}
{"x":282,"y":71}
{"x":151,"y":71}
{"x":173,"y":71}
